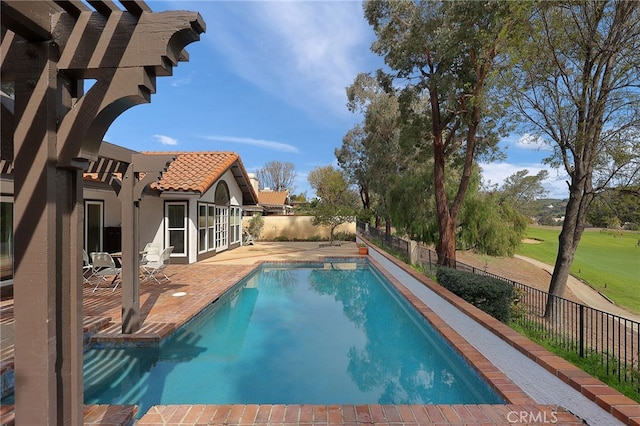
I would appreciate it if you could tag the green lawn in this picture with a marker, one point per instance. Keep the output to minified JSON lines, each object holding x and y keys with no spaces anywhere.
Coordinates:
{"x":608,"y":260}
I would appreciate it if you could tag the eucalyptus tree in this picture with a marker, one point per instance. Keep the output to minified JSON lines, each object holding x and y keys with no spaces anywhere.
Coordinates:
{"x":370,"y":153}
{"x":578,"y":85}
{"x":522,"y":190}
{"x":447,"y":53}
{"x":277,"y":175}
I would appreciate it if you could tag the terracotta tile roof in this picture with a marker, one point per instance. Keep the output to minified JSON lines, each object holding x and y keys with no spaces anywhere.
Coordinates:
{"x":278,"y":198}
{"x":194,"y":171}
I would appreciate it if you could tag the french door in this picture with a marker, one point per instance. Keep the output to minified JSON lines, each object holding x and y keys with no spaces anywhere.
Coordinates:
{"x":222,"y":228}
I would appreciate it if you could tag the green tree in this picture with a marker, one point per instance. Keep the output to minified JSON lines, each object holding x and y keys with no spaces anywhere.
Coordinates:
{"x":491,"y":225}
{"x":336,"y":203}
{"x":616,"y":207}
{"x":522,"y":190}
{"x":577,"y":85}
{"x":370,"y":152}
{"x":446,"y":54}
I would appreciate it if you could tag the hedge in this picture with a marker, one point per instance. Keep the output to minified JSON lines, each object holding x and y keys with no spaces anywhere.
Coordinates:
{"x":491,"y":295}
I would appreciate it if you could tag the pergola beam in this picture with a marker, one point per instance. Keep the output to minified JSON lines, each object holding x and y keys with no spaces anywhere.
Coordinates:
{"x":104,"y":7}
{"x":30,"y":19}
{"x":135,"y":7}
{"x":73,"y":7}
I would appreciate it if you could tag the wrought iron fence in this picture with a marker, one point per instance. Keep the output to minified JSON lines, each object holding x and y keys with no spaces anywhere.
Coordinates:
{"x":609,"y":340}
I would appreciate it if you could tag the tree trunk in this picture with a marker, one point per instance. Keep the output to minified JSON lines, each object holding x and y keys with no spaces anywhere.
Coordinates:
{"x":580,"y":197}
{"x":446,"y":247}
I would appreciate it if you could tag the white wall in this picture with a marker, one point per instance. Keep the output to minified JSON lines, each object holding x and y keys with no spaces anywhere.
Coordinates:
{"x":112,"y":205}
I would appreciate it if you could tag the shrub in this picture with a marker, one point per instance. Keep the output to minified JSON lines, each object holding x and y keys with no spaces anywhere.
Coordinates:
{"x":491,"y":295}
{"x":345,"y":236}
{"x":256,"y":223}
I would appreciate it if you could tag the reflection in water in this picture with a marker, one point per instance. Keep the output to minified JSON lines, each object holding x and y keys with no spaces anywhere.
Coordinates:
{"x":292,"y":336}
{"x":400,"y":356}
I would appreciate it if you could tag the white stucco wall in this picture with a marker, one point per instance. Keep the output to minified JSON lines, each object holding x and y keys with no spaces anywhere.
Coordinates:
{"x":152,"y":214}
{"x":112,"y":206}
{"x":296,"y":228}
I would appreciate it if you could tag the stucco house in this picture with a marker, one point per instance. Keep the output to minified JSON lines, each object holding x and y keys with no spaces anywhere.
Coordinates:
{"x":196,"y":206}
{"x":274,"y":202}
{"x":198,"y":203}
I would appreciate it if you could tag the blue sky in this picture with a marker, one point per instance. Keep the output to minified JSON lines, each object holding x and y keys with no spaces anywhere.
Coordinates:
{"x":267,"y":80}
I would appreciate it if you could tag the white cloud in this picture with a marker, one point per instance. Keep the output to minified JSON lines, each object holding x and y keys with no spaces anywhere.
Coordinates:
{"x":303,"y":52}
{"x":166,"y":140}
{"x":262,"y":143}
{"x":530,"y":141}
{"x":178,"y":82}
{"x":496,"y":173}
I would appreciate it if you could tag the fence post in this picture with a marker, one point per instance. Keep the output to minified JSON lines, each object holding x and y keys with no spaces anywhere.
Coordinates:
{"x":581,"y":331}
{"x":413,"y":252}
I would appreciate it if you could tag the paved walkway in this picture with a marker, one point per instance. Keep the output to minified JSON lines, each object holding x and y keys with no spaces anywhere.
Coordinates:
{"x":164,"y":307}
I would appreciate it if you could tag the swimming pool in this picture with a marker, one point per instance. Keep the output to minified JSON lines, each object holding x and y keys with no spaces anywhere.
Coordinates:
{"x":327,"y":333}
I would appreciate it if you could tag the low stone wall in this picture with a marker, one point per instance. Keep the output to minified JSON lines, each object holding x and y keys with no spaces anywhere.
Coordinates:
{"x":296,"y":228}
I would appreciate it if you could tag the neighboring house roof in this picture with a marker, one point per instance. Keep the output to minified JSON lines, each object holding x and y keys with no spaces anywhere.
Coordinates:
{"x":198,"y":171}
{"x":272,"y":198}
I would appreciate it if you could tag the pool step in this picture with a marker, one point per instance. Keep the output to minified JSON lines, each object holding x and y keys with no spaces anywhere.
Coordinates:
{"x":149,"y":335}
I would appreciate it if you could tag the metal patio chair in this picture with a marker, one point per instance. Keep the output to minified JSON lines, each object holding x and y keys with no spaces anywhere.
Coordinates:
{"x":151,"y":270}
{"x":105,"y":266}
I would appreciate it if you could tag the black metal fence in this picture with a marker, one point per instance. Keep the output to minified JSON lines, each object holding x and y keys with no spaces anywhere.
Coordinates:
{"x":610,"y":341}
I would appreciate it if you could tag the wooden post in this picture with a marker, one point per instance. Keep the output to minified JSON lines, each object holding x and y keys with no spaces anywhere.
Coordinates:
{"x":47,"y":271}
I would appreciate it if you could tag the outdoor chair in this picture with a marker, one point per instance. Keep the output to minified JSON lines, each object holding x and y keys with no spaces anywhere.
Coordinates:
{"x":248,"y":239}
{"x":151,"y":270}
{"x":88,"y":271}
{"x":151,"y":253}
{"x":104,"y":266}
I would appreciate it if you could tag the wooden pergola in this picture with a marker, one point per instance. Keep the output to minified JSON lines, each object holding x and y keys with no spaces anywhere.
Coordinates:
{"x":51,"y":135}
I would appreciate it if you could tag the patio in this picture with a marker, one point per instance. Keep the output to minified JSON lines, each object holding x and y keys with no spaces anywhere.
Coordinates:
{"x":165,"y":307}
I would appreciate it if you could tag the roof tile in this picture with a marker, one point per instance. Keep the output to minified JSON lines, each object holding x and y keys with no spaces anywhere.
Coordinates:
{"x":278,"y":198}
{"x":194,"y":171}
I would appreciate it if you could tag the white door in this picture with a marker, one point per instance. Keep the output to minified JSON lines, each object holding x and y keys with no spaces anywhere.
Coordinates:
{"x":222,"y":228}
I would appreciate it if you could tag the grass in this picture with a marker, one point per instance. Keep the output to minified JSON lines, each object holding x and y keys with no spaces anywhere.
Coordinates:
{"x":608,"y":260}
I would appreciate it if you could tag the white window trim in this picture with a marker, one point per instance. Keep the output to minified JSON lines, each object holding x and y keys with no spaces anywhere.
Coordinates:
{"x":209,"y":224}
{"x":185,"y":226}
{"x":236,"y":233}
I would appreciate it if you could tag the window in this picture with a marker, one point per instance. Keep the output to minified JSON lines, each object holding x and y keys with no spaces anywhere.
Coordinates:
{"x":6,"y":240}
{"x":206,"y":227}
{"x":202,"y":228}
{"x":176,"y":227}
{"x":236,"y":224}
{"x":93,"y":225}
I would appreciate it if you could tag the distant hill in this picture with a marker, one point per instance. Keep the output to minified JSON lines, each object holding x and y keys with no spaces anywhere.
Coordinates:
{"x":550,"y":211}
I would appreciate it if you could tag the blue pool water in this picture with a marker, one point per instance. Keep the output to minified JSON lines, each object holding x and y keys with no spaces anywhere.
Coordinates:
{"x":333,"y":333}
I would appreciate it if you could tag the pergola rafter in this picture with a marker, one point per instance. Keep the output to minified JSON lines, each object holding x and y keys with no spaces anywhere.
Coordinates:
{"x":50,"y":135}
